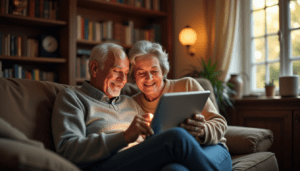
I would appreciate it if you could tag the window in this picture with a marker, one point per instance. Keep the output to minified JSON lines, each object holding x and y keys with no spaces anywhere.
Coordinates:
{"x":272,"y":40}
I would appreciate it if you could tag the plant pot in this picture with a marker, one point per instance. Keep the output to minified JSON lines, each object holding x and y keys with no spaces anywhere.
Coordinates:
{"x":270,"y":91}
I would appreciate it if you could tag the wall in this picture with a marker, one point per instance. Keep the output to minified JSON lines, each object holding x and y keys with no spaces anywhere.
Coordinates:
{"x":196,"y":14}
{"x":192,"y":13}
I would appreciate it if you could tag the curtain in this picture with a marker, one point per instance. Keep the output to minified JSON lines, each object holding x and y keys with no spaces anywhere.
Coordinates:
{"x":222,"y":17}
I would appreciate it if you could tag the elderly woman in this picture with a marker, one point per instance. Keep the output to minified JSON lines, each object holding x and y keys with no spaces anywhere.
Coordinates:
{"x":149,"y":68}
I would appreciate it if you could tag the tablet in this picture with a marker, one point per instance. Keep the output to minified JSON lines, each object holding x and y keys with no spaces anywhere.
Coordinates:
{"x":175,"y":108}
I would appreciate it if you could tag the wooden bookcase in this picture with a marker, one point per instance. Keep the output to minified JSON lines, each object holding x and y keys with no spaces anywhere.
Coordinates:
{"x":66,"y":27}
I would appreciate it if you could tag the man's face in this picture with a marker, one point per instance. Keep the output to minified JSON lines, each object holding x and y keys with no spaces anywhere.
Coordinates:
{"x":113,"y":77}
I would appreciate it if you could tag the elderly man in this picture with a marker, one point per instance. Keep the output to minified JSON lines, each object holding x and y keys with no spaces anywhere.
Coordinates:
{"x":98,"y":129}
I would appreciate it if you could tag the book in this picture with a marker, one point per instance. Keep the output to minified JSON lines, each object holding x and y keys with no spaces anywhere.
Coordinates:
{"x":24,"y":46}
{"x":1,"y":43}
{"x":31,"y":8}
{"x":156,"y":5}
{"x":79,"y":27}
{"x":138,"y":3}
{"x":46,"y":14}
{"x":117,"y":31}
{"x":19,"y":46}
{"x":37,"y":8}
{"x":41,"y":9}
{"x":1,"y":73}
{"x":3,"y":5}
{"x":83,"y":52}
{"x":148,"y":4}
{"x":12,"y":45}
{"x":90,"y":30}
{"x":86,"y":29}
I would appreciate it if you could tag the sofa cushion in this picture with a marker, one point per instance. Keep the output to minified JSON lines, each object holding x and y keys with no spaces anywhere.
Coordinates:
{"x":16,"y":155}
{"x":261,"y":161}
{"x":245,"y":140}
{"x":9,"y":132}
{"x":27,"y":106}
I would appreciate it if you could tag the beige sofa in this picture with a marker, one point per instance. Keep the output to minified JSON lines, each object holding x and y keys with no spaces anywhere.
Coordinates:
{"x":26,"y":140}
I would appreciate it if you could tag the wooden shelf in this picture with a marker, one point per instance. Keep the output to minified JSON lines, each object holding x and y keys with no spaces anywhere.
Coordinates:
{"x":33,"y":59}
{"x":120,"y":8}
{"x":30,"y":21}
{"x":83,"y":42}
{"x":80,"y":80}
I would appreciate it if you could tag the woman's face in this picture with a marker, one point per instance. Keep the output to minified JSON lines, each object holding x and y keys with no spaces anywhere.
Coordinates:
{"x":148,"y":75}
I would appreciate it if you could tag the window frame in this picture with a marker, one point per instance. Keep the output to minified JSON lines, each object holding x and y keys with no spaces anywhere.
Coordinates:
{"x":246,"y":32}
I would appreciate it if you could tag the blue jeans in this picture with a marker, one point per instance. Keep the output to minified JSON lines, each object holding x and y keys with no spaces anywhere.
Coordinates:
{"x":174,"y":149}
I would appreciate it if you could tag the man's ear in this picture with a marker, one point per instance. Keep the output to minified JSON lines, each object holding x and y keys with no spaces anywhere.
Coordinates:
{"x":94,"y":68}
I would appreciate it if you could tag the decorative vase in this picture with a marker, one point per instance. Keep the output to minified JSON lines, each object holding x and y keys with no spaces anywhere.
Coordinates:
{"x":289,"y":86}
{"x":238,"y":83}
{"x":270,"y":91}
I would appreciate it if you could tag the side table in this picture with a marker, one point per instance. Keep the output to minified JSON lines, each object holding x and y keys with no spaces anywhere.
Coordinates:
{"x":281,"y":116}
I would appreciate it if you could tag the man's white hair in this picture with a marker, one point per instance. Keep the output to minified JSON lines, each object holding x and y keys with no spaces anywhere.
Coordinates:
{"x":100,"y":53}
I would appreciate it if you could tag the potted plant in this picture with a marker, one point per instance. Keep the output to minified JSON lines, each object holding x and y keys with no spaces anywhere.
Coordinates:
{"x":222,"y":90}
{"x":270,"y":89}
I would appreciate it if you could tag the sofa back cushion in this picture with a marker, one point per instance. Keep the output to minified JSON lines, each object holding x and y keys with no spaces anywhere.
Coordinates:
{"x":27,"y":106}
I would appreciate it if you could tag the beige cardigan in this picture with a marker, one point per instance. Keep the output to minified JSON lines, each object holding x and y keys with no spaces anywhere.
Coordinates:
{"x":215,"y":126}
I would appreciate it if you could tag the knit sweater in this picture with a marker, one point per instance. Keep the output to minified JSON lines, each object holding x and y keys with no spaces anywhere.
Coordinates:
{"x":87,"y":126}
{"x":215,"y":126}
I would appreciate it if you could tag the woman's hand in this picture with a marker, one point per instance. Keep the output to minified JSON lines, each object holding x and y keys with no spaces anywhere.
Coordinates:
{"x":195,"y":126}
{"x":139,"y":125}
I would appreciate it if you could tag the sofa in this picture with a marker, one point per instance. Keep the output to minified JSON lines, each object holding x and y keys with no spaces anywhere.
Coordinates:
{"x":26,"y":140}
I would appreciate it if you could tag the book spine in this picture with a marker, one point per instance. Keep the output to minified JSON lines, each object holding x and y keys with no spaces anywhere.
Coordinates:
{"x":37,"y":9}
{"x":1,"y":43}
{"x":83,"y":52}
{"x":16,"y":71}
{"x":94,"y":31}
{"x":1,"y":73}
{"x":2,"y":10}
{"x":24,"y":46}
{"x":46,"y":9}
{"x":31,"y":6}
{"x":87,"y":74}
{"x":90,"y":27}
{"x":78,"y":27}
{"x":86,"y":29}
{"x":19,"y":72}
{"x":19,"y":45}
{"x":148,"y":4}
{"x":41,"y":9}
{"x":12,"y":45}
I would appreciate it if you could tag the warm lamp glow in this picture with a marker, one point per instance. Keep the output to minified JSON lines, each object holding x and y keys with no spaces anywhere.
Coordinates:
{"x":187,"y":36}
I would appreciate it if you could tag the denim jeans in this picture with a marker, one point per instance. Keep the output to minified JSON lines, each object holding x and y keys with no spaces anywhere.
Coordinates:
{"x":174,"y":149}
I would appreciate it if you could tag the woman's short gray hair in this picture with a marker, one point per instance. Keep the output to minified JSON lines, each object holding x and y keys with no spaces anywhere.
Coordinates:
{"x":145,"y":47}
{"x":100,"y":52}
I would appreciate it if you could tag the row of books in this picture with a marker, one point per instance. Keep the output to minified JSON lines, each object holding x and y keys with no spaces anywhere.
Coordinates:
{"x":46,"y":9}
{"x":148,"y":4}
{"x":12,"y":45}
{"x":82,"y":64}
{"x":24,"y":72}
{"x":123,"y":33}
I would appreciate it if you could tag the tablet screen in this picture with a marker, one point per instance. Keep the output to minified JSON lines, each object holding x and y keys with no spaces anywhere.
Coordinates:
{"x":175,"y":108}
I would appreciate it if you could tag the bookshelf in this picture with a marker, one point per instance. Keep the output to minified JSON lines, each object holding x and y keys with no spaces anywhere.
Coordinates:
{"x":65,"y":26}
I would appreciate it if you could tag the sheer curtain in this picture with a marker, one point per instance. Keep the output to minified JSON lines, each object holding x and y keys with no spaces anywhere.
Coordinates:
{"x":222,"y":17}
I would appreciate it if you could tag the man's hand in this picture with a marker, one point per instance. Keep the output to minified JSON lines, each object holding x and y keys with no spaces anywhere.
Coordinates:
{"x":139,"y":125}
{"x":195,"y":126}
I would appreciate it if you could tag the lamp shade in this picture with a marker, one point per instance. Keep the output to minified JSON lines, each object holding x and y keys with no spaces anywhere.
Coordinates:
{"x":187,"y":36}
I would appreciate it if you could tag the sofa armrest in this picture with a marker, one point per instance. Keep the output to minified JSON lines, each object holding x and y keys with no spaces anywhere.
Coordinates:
{"x":16,"y":155}
{"x":245,"y":140}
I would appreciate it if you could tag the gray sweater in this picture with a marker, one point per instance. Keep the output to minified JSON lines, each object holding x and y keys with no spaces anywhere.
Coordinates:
{"x":87,"y":126}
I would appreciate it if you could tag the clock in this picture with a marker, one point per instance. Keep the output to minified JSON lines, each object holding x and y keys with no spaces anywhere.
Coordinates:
{"x":49,"y":46}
